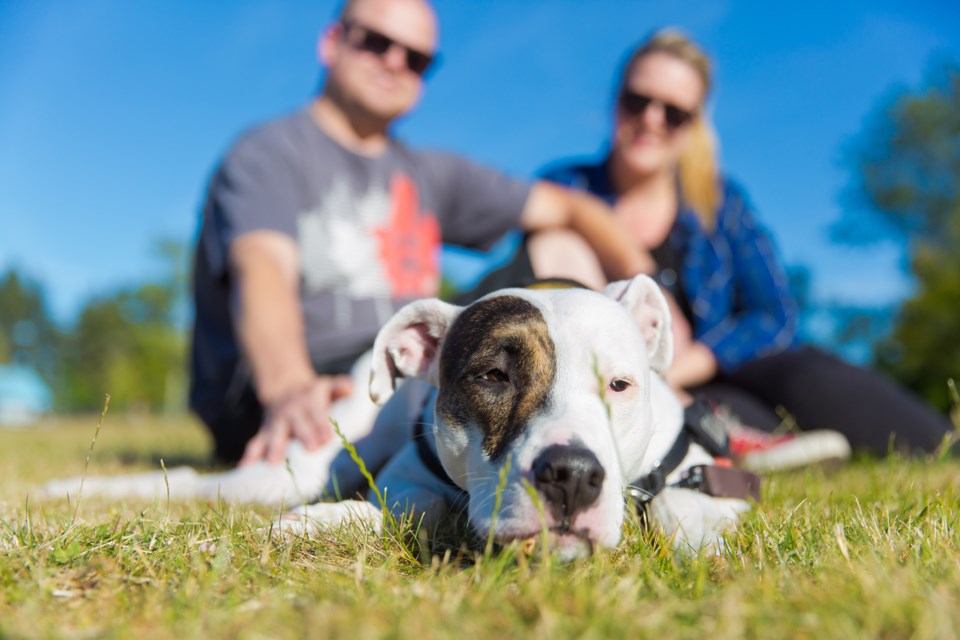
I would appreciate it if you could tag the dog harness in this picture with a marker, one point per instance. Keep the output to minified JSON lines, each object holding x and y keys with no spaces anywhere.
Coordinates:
{"x":720,"y":480}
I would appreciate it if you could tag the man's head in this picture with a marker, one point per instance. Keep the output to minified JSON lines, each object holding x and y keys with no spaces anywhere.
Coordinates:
{"x":376,"y":54}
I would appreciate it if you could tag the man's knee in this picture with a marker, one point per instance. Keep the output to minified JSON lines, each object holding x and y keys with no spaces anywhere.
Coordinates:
{"x":562,"y":253}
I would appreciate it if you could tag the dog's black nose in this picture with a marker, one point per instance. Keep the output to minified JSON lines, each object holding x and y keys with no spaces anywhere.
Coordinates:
{"x":569,"y":478}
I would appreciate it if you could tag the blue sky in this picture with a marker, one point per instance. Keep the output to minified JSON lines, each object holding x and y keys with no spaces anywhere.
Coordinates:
{"x":113,"y":113}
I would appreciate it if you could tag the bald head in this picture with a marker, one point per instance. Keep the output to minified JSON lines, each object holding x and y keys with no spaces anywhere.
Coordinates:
{"x":368,"y":81}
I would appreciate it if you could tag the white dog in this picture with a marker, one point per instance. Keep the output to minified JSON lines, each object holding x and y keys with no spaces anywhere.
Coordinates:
{"x":555,"y":389}
{"x":558,"y":390}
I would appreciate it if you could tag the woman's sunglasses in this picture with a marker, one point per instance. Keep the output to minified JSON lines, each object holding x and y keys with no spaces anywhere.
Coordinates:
{"x":378,"y":44}
{"x":636,"y":103}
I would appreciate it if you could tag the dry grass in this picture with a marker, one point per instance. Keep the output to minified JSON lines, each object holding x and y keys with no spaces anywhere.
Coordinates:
{"x":871,"y":550}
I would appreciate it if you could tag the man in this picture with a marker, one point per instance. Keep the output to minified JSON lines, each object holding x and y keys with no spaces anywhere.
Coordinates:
{"x":317,"y":226}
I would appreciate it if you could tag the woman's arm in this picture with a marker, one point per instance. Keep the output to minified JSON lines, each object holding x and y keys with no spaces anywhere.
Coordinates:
{"x":764,"y":320}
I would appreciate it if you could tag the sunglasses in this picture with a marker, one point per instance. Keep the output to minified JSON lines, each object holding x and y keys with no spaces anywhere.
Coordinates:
{"x":636,"y":104}
{"x":378,"y":44}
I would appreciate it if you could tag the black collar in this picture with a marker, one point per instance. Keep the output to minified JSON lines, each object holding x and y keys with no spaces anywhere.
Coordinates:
{"x":428,"y":456}
{"x":701,"y":426}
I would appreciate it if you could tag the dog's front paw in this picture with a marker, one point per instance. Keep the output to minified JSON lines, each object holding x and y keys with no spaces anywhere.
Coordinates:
{"x":695,"y":520}
{"x":294,"y":524}
{"x":311,"y":519}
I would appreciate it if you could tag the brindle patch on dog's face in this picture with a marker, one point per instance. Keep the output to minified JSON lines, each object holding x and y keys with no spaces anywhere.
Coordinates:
{"x":496,"y":370}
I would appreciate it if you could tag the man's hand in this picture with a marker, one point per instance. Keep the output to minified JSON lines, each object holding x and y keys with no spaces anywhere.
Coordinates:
{"x":302,"y":415}
{"x":269,"y":324}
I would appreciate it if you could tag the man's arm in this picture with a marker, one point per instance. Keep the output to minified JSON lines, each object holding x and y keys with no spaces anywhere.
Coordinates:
{"x":269,"y":325}
{"x":552,"y":206}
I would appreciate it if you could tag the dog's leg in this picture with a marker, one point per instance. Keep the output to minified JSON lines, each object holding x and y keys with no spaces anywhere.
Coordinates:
{"x":310,"y":519}
{"x":407,"y":487}
{"x":301,"y":479}
{"x":182,"y":482}
{"x":695,"y":520}
{"x":393,"y":427}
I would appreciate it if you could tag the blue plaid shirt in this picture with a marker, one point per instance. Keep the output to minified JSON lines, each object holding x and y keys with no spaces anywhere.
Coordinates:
{"x":736,"y":289}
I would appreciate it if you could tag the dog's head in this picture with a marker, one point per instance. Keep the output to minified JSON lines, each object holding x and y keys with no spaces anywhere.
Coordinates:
{"x":557,"y":382}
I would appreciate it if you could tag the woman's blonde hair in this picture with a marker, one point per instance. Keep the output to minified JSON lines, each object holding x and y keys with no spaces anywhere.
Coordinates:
{"x":699,"y":171}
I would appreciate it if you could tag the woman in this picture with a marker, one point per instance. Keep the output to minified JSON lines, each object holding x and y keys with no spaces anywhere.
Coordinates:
{"x":732,"y":296}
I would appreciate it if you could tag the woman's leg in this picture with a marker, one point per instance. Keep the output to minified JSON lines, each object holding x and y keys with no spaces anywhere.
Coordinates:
{"x":559,"y":253}
{"x":747,"y":408}
{"x":823,"y":392}
{"x":750,"y":431}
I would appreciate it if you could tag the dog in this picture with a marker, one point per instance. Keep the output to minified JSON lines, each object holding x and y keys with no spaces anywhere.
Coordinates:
{"x":549,"y":405}
{"x":546,"y":410}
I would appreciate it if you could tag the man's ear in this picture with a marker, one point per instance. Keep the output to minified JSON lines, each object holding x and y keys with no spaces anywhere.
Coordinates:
{"x":408,"y":346}
{"x":327,"y":44}
{"x":644,"y":301}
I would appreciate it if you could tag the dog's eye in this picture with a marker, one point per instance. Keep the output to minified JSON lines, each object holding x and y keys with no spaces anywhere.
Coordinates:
{"x":619,"y":385}
{"x":494,"y":375}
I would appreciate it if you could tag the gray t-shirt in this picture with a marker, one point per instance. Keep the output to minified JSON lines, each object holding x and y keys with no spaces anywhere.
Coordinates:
{"x":368,"y":232}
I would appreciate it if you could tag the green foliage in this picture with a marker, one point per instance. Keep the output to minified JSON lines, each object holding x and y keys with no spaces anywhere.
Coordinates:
{"x":129,"y":344}
{"x":28,"y":335}
{"x":124,"y":345}
{"x":906,"y":168}
{"x":448,"y":292}
{"x":923,"y":351}
{"x":907,"y":173}
{"x":6,"y":348}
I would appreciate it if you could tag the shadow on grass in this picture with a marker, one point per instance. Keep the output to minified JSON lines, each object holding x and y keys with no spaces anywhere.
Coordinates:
{"x":200,"y":462}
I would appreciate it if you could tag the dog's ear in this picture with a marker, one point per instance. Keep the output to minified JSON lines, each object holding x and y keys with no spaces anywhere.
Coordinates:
{"x":644,"y":301}
{"x":409,"y":344}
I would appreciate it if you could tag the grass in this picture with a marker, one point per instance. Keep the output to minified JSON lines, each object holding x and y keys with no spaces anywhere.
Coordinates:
{"x":871,"y":550}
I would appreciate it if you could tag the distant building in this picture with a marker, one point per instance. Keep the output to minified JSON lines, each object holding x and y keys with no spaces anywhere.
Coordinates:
{"x":24,"y":396}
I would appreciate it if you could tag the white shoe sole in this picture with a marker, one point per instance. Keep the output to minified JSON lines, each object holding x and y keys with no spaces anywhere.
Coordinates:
{"x":808,"y":448}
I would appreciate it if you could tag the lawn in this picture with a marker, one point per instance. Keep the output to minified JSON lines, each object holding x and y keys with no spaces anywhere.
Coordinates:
{"x":870,"y":550}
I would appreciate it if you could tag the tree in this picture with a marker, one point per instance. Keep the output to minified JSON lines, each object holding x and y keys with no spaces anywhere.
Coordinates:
{"x":28,"y":335}
{"x":906,"y":185}
{"x":131,"y":344}
{"x":123,"y":347}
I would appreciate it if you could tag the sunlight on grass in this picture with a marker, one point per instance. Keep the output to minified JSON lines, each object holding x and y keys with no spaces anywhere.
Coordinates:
{"x":868,"y":551}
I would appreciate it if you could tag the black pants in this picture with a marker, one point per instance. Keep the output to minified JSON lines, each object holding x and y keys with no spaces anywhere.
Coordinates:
{"x":236,"y":424}
{"x":821,"y":391}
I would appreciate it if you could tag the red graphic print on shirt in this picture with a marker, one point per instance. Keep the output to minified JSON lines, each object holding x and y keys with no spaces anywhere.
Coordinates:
{"x":409,"y":243}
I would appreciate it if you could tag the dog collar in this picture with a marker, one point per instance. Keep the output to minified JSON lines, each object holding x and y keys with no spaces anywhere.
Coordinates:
{"x":555,"y":283}
{"x":720,"y":480}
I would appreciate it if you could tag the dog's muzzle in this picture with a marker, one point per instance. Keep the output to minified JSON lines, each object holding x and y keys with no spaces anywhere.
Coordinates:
{"x":569,"y":478}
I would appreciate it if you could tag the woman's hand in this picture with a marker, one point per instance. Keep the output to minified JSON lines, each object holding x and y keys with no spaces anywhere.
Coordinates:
{"x":693,"y":366}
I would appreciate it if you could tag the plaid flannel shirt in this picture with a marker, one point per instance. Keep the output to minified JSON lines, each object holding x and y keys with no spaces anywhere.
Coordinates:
{"x":737,"y":290}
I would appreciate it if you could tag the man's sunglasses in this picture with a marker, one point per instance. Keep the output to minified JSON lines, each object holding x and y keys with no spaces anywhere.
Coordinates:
{"x":636,"y":103}
{"x":378,"y":44}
